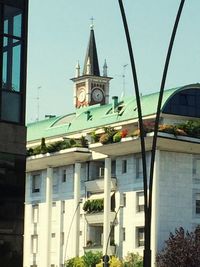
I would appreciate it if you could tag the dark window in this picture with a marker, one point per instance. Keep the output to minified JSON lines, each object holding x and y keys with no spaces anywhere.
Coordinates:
{"x":123,"y":233}
{"x":140,"y":236}
{"x":198,"y":203}
{"x":64,"y":175}
{"x":36,"y":183}
{"x":124,"y":166}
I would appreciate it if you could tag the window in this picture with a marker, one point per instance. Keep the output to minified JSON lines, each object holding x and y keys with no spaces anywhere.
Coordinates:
{"x":36,"y":183}
{"x":196,"y":168}
{"x":64,"y":176}
{"x":140,"y":236}
{"x":63,"y":206}
{"x":35,"y":213}
{"x":123,"y":233}
{"x":124,"y":199}
{"x":55,"y":181}
{"x":113,"y":168}
{"x":140,"y":201}
{"x":139,"y":170}
{"x":53,"y":215}
{"x":198,"y":203}
{"x":53,"y":242}
{"x":34,"y":241}
{"x":124,"y":166}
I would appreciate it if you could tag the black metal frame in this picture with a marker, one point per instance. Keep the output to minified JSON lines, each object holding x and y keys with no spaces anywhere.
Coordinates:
{"x":148,"y":197}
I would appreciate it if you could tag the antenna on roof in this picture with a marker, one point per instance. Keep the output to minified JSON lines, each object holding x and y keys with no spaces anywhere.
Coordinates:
{"x":123,"y":80}
{"x":38,"y":103}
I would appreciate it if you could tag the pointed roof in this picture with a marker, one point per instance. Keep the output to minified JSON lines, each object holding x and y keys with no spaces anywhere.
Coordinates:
{"x":91,"y":54}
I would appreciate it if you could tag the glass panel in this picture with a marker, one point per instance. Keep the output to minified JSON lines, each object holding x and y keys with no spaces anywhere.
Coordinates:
{"x":4,"y":70}
{"x":10,"y":106}
{"x":18,"y":25}
{"x":12,"y":21}
{"x":16,"y":68}
{"x":11,"y":64}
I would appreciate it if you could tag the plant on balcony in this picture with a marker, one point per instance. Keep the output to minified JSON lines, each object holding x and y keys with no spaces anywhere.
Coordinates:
{"x":104,"y":139}
{"x":95,"y":137}
{"x":124,"y":133}
{"x":117,"y":137}
{"x":191,"y":128}
{"x":92,"y":206}
{"x":56,"y":146}
{"x":83,"y":141}
{"x":107,"y":136}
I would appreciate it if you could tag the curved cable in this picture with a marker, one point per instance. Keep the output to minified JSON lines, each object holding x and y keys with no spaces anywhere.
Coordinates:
{"x":154,"y":143}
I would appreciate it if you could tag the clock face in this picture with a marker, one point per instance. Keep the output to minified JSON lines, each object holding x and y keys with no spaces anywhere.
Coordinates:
{"x":81,"y":95}
{"x":97,"y":94}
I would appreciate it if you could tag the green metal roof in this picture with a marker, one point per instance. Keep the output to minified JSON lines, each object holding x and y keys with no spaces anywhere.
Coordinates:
{"x":96,"y":116}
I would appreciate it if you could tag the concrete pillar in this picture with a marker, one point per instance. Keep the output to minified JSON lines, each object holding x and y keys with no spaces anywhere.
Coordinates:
{"x":155,"y":211}
{"x":49,"y":183}
{"x":77,"y":175}
{"x":106,"y":217}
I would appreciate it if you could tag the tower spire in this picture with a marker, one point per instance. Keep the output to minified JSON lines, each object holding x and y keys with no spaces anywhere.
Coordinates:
{"x":91,"y":55}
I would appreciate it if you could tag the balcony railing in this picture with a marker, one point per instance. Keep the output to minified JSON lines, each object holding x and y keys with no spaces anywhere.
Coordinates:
{"x":97,"y":185}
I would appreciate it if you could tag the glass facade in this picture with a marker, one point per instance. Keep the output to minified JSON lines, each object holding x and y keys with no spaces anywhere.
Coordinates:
{"x":184,"y":103}
{"x":13,"y":36}
{"x":11,"y":209}
{"x":13,"y":42}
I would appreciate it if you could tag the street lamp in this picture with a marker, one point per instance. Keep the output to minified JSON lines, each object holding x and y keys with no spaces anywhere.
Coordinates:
{"x":148,"y":190}
{"x":106,"y":257}
{"x":70,"y":227}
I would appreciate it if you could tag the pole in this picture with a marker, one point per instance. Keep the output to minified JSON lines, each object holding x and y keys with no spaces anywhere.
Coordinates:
{"x":148,"y":197}
{"x":147,"y":252}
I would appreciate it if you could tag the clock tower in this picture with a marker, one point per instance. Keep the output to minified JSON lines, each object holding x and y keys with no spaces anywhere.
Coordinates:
{"x":91,"y":88}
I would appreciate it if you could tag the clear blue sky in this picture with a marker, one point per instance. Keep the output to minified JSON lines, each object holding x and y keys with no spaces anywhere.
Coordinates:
{"x":58,"y":37}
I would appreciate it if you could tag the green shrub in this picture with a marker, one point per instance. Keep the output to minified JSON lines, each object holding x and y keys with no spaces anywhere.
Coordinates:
{"x":95,"y":137}
{"x":95,"y":205}
{"x":75,"y":262}
{"x":90,"y":258}
{"x":43,"y":146}
{"x":133,"y":260}
{"x":117,"y":137}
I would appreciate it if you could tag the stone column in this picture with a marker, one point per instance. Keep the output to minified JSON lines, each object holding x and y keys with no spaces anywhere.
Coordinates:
{"x":49,"y":183}
{"x":107,"y":204}
{"x":77,"y":179}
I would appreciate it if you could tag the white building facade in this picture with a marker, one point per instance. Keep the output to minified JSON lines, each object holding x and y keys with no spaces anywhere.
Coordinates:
{"x":58,"y":184}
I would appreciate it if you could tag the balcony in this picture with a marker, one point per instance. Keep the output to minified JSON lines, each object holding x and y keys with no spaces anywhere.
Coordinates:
{"x":166,"y":142}
{"x":111,"y":249}
{"x":97,"y":217}
{"x":61,"y":158}
{"x":97,"y":185}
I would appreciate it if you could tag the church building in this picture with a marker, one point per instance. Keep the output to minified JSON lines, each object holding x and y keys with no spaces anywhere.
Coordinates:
{"x":84,"y":181}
